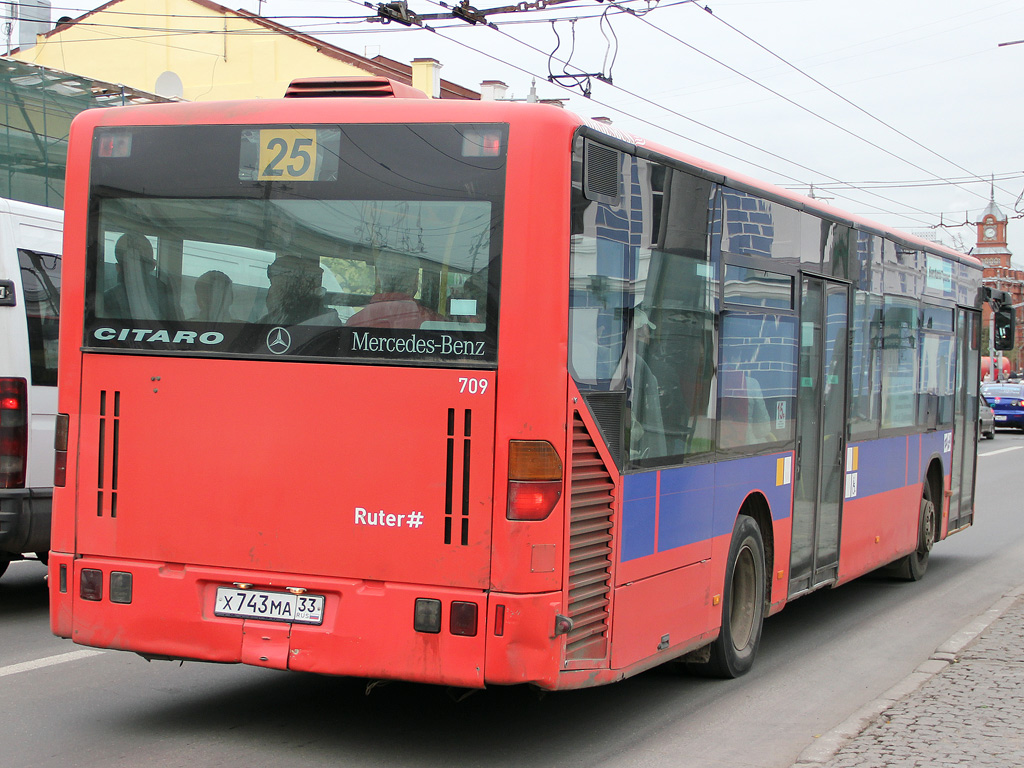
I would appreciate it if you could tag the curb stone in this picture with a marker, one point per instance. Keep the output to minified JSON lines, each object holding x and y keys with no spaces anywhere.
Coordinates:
{"x":825,"y":747}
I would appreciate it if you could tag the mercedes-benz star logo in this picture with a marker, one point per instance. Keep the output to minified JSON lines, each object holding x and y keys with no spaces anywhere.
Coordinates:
{"x":279,"y":340}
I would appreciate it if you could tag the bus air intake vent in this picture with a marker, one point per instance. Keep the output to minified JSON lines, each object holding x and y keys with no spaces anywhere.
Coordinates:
{"x":590,"y":548}
{"x":601,"y":174}
{"x":456,"y":489}
{"x":607,"y":409}
{"x":351,"y":87}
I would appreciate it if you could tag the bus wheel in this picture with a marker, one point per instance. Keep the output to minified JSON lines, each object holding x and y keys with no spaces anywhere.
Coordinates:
{"x":4,"y":562}
{"x":732,"y":654}
{"x":913,"y":566}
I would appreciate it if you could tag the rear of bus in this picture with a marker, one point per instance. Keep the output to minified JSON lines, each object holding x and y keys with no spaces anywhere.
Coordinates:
{"x":287,"y":438}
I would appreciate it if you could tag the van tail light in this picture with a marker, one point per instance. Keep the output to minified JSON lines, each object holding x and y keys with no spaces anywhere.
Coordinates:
{"x":534,"y":479}
{"x":60,"y":445}
{"x":13,"y":432}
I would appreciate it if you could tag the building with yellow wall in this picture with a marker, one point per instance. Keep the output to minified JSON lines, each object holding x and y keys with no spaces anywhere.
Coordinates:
{"x":201,"y":51}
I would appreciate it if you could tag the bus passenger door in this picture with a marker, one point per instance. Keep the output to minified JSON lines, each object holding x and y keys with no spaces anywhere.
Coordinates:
{"x":821,"y":434}
{"x":965,"y":423}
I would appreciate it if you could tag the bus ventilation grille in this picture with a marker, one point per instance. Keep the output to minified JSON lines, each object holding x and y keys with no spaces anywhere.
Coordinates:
{"x":601,"y":174}
{"x":456,"y":494}
{"x":590,"y":548}
{"x":110,"y":435}
{"x":358,"y":87}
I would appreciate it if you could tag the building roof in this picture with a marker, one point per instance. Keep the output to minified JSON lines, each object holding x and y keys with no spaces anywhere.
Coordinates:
{"x":379,"y":65}
{"x":991,"y":250}
{"x":993,"y":210}
{"x":38,"y":104}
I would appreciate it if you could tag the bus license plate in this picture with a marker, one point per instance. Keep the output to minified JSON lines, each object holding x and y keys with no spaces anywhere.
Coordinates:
{"x":269,"y":606}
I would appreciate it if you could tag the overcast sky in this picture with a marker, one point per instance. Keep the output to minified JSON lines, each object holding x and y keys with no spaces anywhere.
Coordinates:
{"x":796,"y":92}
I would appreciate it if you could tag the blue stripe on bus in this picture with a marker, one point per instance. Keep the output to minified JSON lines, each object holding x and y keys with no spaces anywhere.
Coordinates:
{"x":881,"y":466}
{"x":896,"y":462}
{"x":638,"y":514}
{"x":685,"y":505}
{"x":700,"y":502}
{"x":691,"y":507}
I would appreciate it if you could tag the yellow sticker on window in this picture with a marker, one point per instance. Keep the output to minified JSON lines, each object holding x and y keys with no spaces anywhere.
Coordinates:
{"x":287,"y":154}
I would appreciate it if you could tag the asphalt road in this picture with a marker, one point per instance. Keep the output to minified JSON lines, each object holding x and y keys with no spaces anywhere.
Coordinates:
{"x":821,"y":659}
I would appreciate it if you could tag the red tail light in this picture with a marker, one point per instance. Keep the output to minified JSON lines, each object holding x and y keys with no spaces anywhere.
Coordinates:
{"x":534,"y":479}
{"x":13,"y":432}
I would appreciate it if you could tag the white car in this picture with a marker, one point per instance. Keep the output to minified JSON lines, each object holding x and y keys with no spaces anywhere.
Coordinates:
{"x":986,"y":419}
{"x":30,"y":248}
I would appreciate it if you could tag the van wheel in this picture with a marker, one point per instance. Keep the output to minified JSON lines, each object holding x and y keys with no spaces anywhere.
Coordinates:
{"x":743,"y":603}
{"x":4,"y":562}
{"x":913,"y":566}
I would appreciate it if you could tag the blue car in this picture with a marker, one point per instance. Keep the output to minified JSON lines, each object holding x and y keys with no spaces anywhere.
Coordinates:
{"x":1007,"y":401}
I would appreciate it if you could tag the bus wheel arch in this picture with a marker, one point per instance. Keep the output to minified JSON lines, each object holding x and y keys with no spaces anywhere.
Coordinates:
{"x":746,"y":591}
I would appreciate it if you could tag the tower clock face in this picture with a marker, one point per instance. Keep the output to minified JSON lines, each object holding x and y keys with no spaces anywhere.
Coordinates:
{"x":990,"y":233}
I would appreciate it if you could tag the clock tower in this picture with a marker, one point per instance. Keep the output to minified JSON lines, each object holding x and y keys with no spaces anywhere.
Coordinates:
{"x":991,"y":248}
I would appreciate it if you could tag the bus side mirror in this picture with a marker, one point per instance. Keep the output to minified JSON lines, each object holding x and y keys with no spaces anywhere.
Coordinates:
{"x":1004,"y":327}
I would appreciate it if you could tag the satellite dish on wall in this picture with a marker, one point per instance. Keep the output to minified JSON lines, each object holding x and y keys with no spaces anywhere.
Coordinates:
{"x":168,"y":84}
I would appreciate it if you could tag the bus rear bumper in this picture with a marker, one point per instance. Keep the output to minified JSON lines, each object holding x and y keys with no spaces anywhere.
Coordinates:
{"x":367,"y":628}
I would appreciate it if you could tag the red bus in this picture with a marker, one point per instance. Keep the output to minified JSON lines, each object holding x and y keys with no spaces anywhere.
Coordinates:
{"x":481,"y":393}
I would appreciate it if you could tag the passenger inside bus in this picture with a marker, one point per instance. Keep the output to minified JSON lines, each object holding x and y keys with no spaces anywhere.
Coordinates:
{"x":214,"y":296}
{"x":138,"y":292}
{"x":296,"y":293}
{"x":394,"y":305}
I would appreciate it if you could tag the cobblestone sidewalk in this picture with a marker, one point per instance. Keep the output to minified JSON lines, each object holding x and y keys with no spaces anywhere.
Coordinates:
{"x":962,"y":707}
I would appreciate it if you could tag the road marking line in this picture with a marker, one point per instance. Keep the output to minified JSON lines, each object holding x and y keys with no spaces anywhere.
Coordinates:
{"x":49,"y":661}
{"x":1001,"y":450}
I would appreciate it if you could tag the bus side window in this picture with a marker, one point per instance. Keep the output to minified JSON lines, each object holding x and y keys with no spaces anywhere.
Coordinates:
{"x":757,"y":379}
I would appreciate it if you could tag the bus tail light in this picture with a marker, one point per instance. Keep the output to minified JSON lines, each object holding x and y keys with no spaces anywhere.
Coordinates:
{"x":60,"y":444}
{"x":427,"y":615}
{"x":534,"y":479}
{"x":90,"y":585}
{"x":13,"y":432}
{"x":120,"y":587}
{"x":463,"y":619}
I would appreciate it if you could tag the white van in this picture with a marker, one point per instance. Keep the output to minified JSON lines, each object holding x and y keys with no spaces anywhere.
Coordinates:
{"x":30,"y":255}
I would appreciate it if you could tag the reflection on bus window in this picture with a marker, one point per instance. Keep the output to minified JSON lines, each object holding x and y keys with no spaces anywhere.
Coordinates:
{"x":758,"y":372}
{"x":395,"y":305}
{"x":642,"y":306}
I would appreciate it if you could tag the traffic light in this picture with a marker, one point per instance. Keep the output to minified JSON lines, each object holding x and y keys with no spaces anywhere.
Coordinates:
{"x":1003,"y":320}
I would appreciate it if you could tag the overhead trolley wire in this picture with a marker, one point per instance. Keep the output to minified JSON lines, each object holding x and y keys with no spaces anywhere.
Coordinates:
{"x":684,"y":117}
{"x":856,"y":106}
{"x":796,"y":104}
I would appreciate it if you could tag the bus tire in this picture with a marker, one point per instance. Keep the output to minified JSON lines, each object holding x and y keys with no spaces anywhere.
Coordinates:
{"x":743,"y":603}
{"x":913,"y":566}
{"x":4,"y":562}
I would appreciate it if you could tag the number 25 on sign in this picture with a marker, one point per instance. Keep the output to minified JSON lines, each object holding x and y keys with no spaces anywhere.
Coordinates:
{"x":287,"y":154}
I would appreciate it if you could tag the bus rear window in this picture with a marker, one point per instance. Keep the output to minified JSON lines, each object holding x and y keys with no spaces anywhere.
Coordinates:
{"x":358,"y":243}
